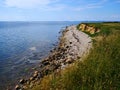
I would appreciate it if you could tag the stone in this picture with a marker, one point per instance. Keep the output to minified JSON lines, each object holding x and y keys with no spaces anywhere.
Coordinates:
{"x":31,"y":78}
{"x":51,"y":51}
{"x":28,"y":82}
{"x":59,"y":48}
{"x":35,"y":75}
{"x":71,"y":54}
{"x":54,"y":49}
{"x":22,"y":81}
{"x":41,"y":65}
{"x":46,"y":63}
{"x":36,"y":72}
{"x":25,"y":87}
{"x":67,"y":46}
{"x":69,"y":61}
{"x":17,"y":87}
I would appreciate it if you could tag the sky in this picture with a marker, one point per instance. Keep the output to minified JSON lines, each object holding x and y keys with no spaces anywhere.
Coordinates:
{"x":59,"y":10}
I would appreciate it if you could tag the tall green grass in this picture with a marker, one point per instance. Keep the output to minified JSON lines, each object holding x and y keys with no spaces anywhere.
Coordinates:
{"x":100,"y":70}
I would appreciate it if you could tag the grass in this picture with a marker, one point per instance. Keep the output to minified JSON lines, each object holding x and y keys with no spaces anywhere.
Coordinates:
{"x":100,"y":70}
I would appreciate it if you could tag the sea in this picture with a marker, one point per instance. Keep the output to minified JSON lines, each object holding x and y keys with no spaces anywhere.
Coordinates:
{"x":24,"y":44}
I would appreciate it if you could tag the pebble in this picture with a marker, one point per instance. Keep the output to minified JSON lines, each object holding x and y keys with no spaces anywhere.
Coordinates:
{"x":31,"y":78}
{"x":35,"y":75}
{"x":36,"y":72}
{"x":25,"y":87}
{"x":22,"y":81}
{"x":17,"y":87}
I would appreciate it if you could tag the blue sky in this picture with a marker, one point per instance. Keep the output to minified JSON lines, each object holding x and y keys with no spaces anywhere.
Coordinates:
{"x":59,"y":10}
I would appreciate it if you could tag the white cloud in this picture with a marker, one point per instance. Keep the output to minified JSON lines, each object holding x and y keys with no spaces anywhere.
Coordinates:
{"x":27,"y":3}
{"x":91,"y":5}
{"x":51,"y":5}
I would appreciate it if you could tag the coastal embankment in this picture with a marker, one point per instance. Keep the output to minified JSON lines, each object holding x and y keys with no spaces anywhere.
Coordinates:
{"x":99,"y":70}
{"x":73,"y":45}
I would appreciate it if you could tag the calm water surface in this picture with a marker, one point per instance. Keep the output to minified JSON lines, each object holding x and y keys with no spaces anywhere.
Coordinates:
{"x":23,"y":45}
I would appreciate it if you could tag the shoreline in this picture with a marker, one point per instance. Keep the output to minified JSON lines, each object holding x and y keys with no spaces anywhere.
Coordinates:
{"x":73,"y":44}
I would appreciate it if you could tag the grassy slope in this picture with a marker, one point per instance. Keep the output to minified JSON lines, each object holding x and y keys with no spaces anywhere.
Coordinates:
{"x":100,"y":70}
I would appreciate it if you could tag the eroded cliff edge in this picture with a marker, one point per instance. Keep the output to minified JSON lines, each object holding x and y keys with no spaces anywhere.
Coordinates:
{"x":88,"y":28}
{"x":73,"y":45}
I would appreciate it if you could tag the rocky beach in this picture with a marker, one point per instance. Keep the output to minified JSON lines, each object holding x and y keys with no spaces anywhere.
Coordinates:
{"x":60,"y":45}
{"x":73,"y":45}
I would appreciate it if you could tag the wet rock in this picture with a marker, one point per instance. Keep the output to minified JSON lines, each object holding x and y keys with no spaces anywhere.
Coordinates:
{"x":59,"y":48}
{"x":41,"y":65}
{"x":51,"y":51}
{"x":31,"y":78}
{"x":54,"y":49}
{"x":54,"y":44}
{"x":35,"y":75}
{"x":46,"y":63}
{"x":17,"y":87}
{"x":22,"y":81}
{"x":28,"y":82}
{"x":36,"y":72}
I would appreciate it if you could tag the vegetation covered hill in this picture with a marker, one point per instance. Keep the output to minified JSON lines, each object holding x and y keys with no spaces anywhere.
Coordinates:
{"x":100,"y":70}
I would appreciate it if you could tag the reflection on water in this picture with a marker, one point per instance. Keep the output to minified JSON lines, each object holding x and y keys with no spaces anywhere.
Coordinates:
{"x":23,"y":45}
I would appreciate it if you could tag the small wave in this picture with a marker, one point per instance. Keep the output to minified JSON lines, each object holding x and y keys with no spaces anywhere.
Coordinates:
{"x":33,"y":48}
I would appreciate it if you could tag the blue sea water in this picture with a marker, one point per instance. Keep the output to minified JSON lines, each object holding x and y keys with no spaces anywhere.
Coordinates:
{"x":23,"y":44}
